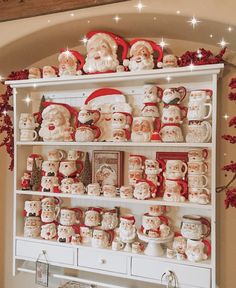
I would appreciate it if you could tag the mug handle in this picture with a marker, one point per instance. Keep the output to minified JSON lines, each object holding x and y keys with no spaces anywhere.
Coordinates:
{"x":205,"y":153}
{"x":206,"y":181}
{"x":208,"y":131}
{"x":184,"y":111}
{"x":159,"y":92}
{"x":182,"y":90}
{"x":78,"y":214}
{"x":184,"y":190}
{"x":185,"y":168}
{"x":79,"y":164}
{"x":111,"y":234}
{"x":208,"y":246}
{"x":205,"y":167}
{"x":207,"y":190}
{"x":35,"y":135}
{"x":61,"y":155}
{"x":210,"y":110}
{"x":97,"y":131}
{"x":205,"y":222}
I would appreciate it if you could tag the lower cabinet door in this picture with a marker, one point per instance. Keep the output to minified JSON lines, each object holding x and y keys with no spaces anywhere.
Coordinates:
{"x":57,"y":254}
{"x":102,"y":260}
{"x":187,"y":276}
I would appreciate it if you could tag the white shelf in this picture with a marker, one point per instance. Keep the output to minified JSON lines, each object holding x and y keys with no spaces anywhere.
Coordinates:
{"x":114,"y":144}
{"x":155,"y":201}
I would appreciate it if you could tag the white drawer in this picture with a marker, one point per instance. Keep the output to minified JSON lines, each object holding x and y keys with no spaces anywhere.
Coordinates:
{"x":188,"y":276}
{"x":102,"y":260}
{"x":55,"y":253}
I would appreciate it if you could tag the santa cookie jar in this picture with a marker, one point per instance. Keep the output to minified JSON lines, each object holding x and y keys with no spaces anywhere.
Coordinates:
{"x":56,"y":122}
{"x":141,"y":55}
{"x":70,"y":63}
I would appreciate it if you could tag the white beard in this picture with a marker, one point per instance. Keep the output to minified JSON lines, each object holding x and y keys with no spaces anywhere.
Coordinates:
{"x":67,"y":70}
{"x":57,"y":134}
{"x":144,"y":64}
{"x":127,"y":235}
{"x":140,"y":136}
{"x":100,"y":65}
{"x":152,"y":171}
{"x":108,"y":225}
{"x":84,"y":136}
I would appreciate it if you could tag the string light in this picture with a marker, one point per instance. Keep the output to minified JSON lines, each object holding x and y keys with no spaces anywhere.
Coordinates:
{"x":226,"y":117}
{"x":117,"y":18}
{"x":193,"y":21}
{"x":88,"y":21}
{"x":139,"y":6}
{"x":1,"y":78}
{"x":155,"y":18}
{"x":34,"y":85}
{"x":223,"y":43}
{"x":162,"y":43}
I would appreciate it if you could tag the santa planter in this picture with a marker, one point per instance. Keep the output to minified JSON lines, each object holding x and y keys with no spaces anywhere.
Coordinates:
{"x":102,"y":50}
{"x":56,"y":119}
{"x":70,"y":63}
{"x":141,"y":55}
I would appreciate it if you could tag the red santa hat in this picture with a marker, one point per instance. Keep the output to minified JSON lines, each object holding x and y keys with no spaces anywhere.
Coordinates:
{"x":73,"y":54}
{"x":155,"y":136}
{"x":97,"y":209}
{"x":128,"y":217}
{"x":65,"y":109}
{"x":150,"y":45}
{"x":113,"y":39}
{"x":105,"y":95}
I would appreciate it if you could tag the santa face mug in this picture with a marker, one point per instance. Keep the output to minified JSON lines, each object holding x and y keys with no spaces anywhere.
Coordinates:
{"x":92,"y":217}
{"x":171,"y":133}
{"x":127,"y":230}
{"x":179,"y":245}
{"x":69,"y":168}
{"x":197,"y":110}
{"x":109,"y":190}
{"x":142,"y":128}
{"x":200,"y":95}
{"x":94,"y":189}
{"x":28,"y":135}
{"x":86,"y":234}
{"x":50,"y":209}
{"x":77,"y":188}
{"x":120,"y":135}
{"x":27,"y":121}
{"x":134,"y":176}
{"x":199,"y":195}
{"x":143,"y":190}
{"x":170,"y":61}
{"x":126,"y":192}
{"x":70,"y":216}
{"x":197,"y":180}
{"x":195,"y":227}
{"x":30,"y":161}
{"x":121,"y":120}
{"x":137,"y":247}
{"x":156,"y":210}
{"x":64,"y":233}
{"x":117,"y":245}
{"x":174,"y":95}
{"x":49,"y":72}
{"x":49,"y":184}
{"x":102,"y":238}
{"x":75,"y":155}
{"x":88,"y":117}
{"x":196,"y":168}
{"x":56,"y":155}
{"x":87,"y":133}
{"x":66,"y":185}
{"x":32,"y":227}
{"x":175,"y":190}
{"x":197,"y":155}
{"x":50,"y":168}
{"x":32,"y":208}
{"x":152,"y":167}
{"x":175,"y":169}
{"x":152,"y":94}
{"x":48,"y":231}
{"x":198,"y":250}
{"x":109,"y":219}
{"x":198,"y":132}
{"x":136,"y":162}
{"x":150,"y":222}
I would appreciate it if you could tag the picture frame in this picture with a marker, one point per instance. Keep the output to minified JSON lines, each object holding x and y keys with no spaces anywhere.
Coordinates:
{"x":107,"y":167}
{"x":42,"y":273}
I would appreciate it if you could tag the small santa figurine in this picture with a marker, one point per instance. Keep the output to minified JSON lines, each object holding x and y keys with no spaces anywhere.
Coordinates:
{"x":70,"y":63}
{"x":56,"y":122}
{"x":102,"y":52}
{"x":25,"y":181}
{"x":50,"y":72}
{"x":141,"y":55}
{"x":127,"y":230}
{"x":34,"y":73}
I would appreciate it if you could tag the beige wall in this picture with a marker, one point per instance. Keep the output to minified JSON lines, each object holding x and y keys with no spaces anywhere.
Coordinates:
{"x":226,"y":222}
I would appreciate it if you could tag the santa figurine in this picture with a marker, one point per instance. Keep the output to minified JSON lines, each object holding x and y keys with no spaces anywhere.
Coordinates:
{"x":170,"y":61}
{"x":142,"y":129}
{"x":127,"y":230}
{"x":25,"y":181}
{"x":56,"y":122}
{"x":50,"y":72}
{"x":141,"y":55}
{"x":70,"y":63}
{"x":102,"y":50}
{"x":150,"y":110}
{"x":144,"y":189}
{"x":34,"y":73}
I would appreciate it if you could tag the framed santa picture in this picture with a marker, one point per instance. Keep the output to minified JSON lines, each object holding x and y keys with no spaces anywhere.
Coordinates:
{"x":107,"y":167}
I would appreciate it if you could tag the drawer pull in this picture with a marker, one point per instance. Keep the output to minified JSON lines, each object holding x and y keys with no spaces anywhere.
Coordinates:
{"x":102,"y":261}
{"x":170,"y":278}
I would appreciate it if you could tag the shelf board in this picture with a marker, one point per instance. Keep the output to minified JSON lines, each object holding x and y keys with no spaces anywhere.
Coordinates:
{"x":205,"y":263}
{"x":155,"y":201}
{"x":114,"y":144}
{"x":140,"y":77}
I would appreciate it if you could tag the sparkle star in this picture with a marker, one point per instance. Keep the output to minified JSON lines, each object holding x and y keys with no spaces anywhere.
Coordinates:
{"x":162,"y":43}
{"x":223,"y":43}
{"x":139,"y":6}
{"x":193,"y":21}
{"x":84,"y":40}
{"x":117,"y":18}
{"x":226,"y":116}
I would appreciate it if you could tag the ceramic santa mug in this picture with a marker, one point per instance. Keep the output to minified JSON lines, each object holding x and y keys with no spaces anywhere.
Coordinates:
{"x":78,"y":188}
{"x":126,"y":192}
{"x":64,"y":233}
{"x":74,"y":155}
{"x":32,"y":227}
{"x":173,"y":114}
{"x":117,"y":245}
{"x":48,"y":231}
{"x":142,"y":128}
{"x":109,"y":190}
{"x":109,"y":219}
{"x":198,"y":132}
{"x":197,"y":110}
{"x":86,"y":234}
{"x":200,"y":95}
{"x":152,"y":94}
{"x":49,"y":184}
{"x":32,"y":208}
{"x":70,"y":168}
{"x":94,"y":189}
{"x":121,"y":120}
{"x":30,"y":161}
{"x":152,"y":167}
{"x":175,"y":190}
{"x":50,"y":168}
{"x":199,"y":195}
{"x":28,"y":135}
{"x":175,"y":169}
{"x":179,"y":244}
{"x":150,"y":222}
{"x":136,"y":162}
{"x":170,"y":61}
{"x":49,"y":72}
{"x":198,"y":250}
{"x":93,"y":216}
{"x":87,"y":133}
{"x":27,"y":121}
{"x":70,"y":216}
{"x":87,"y":116}
{"x":172,"y":96}
{"x":66,"y":185}
{"x":195,"y":227}
{"x":50,"y":209}
{"x":134,"y":176}
{"x":171,"y":132}
{"x":102,"y":238}
{"x":196,"y":168}
{"x":144,"y":189}
{"x":156,"y":210}
{"x":197,"y":180}
{"x":55,"y":155}
{"x":137,"y":247}
{"x":120,"y":135}
{"x":197,"y":155}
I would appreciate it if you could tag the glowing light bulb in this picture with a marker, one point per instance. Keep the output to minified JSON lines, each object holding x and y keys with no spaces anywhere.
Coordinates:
{"x":49,"y":20}
{"x":139,"y":6}
{"x":117,"y":18}
{"x":223,"y":43}
{"x":193,"y":21}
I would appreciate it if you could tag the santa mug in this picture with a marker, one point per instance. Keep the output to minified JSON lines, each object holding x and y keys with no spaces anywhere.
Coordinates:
{"x":156,"y":210}
{"x":142,"y":128}
{"x":134,"y":176}
{"x":70,"y":168}
{"x":32,"y":208}
{"x":109,"y":219}
{"x":49,"y":72}
{"x":137,"y":247}
{"x":150,"y":110}
{"x":198,"y":110}
{"x":28,"y":135}
{"x":93,"y":216}
{"x":136,"y":162}
{"x":109,"y":190}
{"x":70,"y":216}
{"x":152,"y":167}
{"x":77,"y":188}
{"x":197,"y":155}
{"x":32,"y":227}
{"x":175,"y":169}
{"x":197,"y":180}
{"x":195,"y":227}
{"x":126,"y":192}
{"x":121,"y":120}
{"x":48,"y":231}
{"x":199,"y":195}
{"x":144,"y":190}
{"x":198,"y":250}
{"x":171,"y":133}
{"x":64,"y":234}
{"x":49,"y":184}
{"x":120,"y":135}
{"x":50,"y":168}
{"x":173,"y":114}
{"x":117,"y":245}
{"x":50,"y":209}
{"x":88,"y":117}
{"x":200,"y":95}
{"x":150,"y":222}
{"x":152,"y":94}
{"x":74,"y":155}
{"x":170,"y":61}
{"x":175,"y":190}
{"x":102,"y":238}
{"x":87,"y":133}
{"x":55,"y":155}
{"x":66,"y":185}
{"x":94,"y":189}
{"x":27,"y":121}
{"x":86,"y":234}
{"x":198,"y":132}
{"x":196,"y":168}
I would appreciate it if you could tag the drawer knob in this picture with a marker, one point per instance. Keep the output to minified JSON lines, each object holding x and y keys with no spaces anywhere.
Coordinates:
{"x":102,"y":261}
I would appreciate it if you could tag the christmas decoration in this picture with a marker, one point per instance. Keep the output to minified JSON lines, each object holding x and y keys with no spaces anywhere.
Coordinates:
{"x":35,"y":180}
{"x":86,"y":174}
